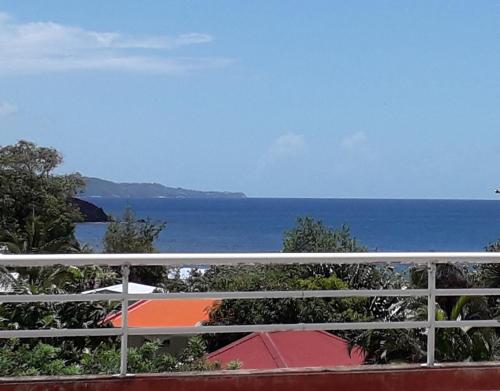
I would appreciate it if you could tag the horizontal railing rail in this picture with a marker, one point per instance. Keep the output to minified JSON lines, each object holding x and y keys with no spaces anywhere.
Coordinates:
{"x":199,"y":259}
{"x":125,"y":261}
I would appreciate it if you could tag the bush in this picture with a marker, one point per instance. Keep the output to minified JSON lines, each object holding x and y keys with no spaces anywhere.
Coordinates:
{"x":21,"y":359}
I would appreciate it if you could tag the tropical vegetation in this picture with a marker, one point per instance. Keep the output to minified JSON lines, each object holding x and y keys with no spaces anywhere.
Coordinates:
{"x":37,"y":216}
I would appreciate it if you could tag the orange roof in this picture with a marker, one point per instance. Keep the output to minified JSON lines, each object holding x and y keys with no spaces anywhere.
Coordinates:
{"x":165,"y":313}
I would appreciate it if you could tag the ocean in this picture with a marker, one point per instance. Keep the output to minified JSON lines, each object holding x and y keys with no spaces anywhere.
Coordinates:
{"x":258,"y":224}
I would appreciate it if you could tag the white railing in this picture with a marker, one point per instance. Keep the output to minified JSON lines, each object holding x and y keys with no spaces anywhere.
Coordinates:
{"x":125,"y":261}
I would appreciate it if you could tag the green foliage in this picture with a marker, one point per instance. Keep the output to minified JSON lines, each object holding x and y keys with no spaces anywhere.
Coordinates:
{"x":452,"y":345}
{"x":489,"y":274}
{"x":312,"y":236}
{"x":466,"y":344}
{"x":175,"y":283}
{"x":235,"y":364}
{"x":63,"y":279}
{"x":391,"y":346}
{"x":308,"y":235}
{"x":36,"y":215}
{"x":105,"y":359}
{"x":17,"y":359}
{"x":448,"y":276}
{"x":58,"y":280}
{"x":193,"y":356}
{"x":26,"y":157}
{"x":131,"y":235}
{"x":493,"y":247}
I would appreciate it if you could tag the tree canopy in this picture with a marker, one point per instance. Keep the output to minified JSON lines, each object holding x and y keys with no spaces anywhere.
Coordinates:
{"x":36,"y":215}
{"x":132,"y":235}
{"x":308,"y":235}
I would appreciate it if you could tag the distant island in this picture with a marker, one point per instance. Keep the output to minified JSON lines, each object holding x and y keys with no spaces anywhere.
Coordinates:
{"x":96,"y":187}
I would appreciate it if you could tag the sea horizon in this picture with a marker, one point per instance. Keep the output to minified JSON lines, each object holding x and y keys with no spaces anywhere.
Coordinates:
{"x":85,"y":197}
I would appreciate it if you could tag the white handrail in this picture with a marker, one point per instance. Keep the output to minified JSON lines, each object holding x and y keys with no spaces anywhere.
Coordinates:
{"x":203,"y":260}
{"x":180,"y":259}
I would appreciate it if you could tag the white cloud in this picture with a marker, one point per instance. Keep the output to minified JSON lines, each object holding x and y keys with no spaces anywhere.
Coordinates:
{"x":4,"y":17}
{"x":51,"y":47}
{"x":354,"y":141}
{"x":286,"y":146}
{"x":7,"y":108}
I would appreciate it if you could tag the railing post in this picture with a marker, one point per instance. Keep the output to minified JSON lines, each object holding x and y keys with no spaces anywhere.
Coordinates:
{"x":124,"y":333}
{"x":431,"y":313}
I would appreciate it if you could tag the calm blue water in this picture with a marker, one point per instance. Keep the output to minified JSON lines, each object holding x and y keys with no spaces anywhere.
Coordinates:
{"x":257,"y":224}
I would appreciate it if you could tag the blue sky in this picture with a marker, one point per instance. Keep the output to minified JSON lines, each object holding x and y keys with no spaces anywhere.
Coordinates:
{"x":386,"y":99}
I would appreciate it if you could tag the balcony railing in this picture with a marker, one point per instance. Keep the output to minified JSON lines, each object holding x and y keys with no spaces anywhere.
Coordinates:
{"x":125,"y":261}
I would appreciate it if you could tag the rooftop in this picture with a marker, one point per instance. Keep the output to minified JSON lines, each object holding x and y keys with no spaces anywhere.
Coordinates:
{"x":165,"y":313}
{"x":133,"y":287}
{"x":288,"y":349}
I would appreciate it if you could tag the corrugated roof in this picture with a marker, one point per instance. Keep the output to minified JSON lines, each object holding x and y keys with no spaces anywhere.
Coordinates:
{"x":165,"y":313}
{"x":288,"y":349}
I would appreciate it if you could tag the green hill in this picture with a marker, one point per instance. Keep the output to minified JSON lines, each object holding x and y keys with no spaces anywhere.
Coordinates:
{"x":102,"y":188}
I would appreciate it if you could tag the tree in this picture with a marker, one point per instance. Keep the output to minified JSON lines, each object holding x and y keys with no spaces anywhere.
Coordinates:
{"x":26,"y":157}
{"x":49,"y":237}
{"x":36,"y":214}
{"x":58,"y":280}
{"x":455,"y":344}
{"x":131,"y":235}
{"x":448,"y":276}
{"x":308,"y":236}
{"x":489,"y":273}
{"x":312,"y":236}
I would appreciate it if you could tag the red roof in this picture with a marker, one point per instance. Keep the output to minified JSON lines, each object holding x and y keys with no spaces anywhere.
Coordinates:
{"x":165,"y":313}
{"x":288,"y":349}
